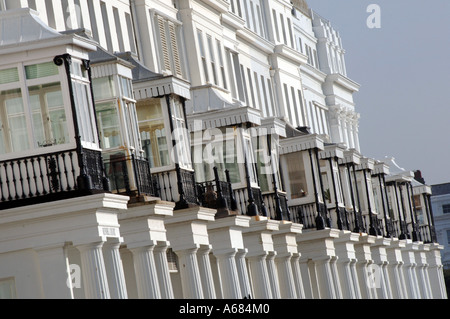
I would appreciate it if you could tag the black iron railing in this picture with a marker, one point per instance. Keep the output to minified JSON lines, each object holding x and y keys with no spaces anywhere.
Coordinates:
{"x":304,"y":214}
{"x":51,"y":176}
{"x":169,"y":183}
{"x":276,"y":205}
{"x":131,"y":176}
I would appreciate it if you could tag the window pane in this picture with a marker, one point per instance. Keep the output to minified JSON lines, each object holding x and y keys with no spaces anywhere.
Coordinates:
{"x":9,"y":76}
{"x":41,"y":70}
{"x":297,"y":177}
{"x":108,"y":125}
{"x":103,"y":88}
{"x":15,"y":135}
{"x":7,"y":289}
{"x":48,"y":115}
{"x":153,"y":132}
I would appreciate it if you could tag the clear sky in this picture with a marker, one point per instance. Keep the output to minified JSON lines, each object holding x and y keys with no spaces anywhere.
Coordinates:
{"x":403,"y":68}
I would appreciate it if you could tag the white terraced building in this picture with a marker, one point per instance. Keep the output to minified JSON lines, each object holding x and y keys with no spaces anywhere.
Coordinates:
{"x":195,"y":149}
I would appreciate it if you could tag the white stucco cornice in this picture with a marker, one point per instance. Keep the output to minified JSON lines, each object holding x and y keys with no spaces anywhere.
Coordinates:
{"x":380,"y":168}
{"x":332,"y":151}
{"x":351,"y":156}
{"x":160,"y":87}
{"x":275,"y":125}
{"x":366,"y":163}
{"x":301,"y":143}
{"x":290,"y":54}
{"x":343,"y":81}
{"x":223,"y":118}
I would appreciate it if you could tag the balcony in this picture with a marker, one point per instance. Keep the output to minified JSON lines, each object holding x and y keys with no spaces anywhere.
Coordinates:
{"x":131,"y":176}
{"x":50,"y":176}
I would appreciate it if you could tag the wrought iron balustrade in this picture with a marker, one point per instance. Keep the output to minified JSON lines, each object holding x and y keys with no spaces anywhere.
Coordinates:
{"x":304,"y":214}
{"x":275,"y":205}
{"x":242,"y":199}
{"x":131,"y":176}
{"x":169,"y":183}
{"x":428,"y":234}
{"x":215,"y":194}
{"x":51,"y":176}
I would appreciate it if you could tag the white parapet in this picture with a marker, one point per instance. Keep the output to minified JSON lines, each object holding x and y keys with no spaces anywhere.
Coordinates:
{"x":51,"y":230}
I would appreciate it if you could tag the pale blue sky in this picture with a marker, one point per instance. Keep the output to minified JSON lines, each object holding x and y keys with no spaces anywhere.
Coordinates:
{"x":404,"y":72}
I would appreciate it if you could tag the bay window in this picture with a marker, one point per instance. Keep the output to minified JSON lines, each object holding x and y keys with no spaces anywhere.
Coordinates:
{"x":33,"y":112}
{"x":297,"y":175}
{"x":153,"y":131}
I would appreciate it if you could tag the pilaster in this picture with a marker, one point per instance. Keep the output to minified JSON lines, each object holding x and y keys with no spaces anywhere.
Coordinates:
{"x":317,"y":251}
{"x":227,"y":240}
{"x":395,"y":268}
{"x":346,"y":264}
{"x":381,"y":276}
{"x":364,"y":266}
{"x":289,"y":275}
{"x":258,"y":240}
{"x":435,"y":271}
{"x":187,"y":231}
{"x":145,"y":235}
{"x":412,"y":285}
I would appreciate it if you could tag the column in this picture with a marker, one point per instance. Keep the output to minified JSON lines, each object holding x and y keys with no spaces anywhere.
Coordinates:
{"x":364,"y":268}
{"x":306,"y":277}
{"x":435,"y":272}
{"x":114,"y":270}
{"x":410,"y":276}
{"x":421,"y":271}
{"x":145,"y":270}
{"x":204,"y":264}
{"x":162,"y":269}
{"x":190,"y":274}
{"x":244,"y":279}
{"x":349,"y":287}
{"x":288,"y":283}
{"x":297,"y":274}
{"x":273,"y":275}
{"x":346,"y":271}
{"x":324,"y":277}
{"x":395,"y":269}
{"x":55,"y":274}
{"x":260,"y":277}
{"x":334,"y":271}
{"x":93,"y":271}
{"x":379,"y":255}
{"x":228,"y":269}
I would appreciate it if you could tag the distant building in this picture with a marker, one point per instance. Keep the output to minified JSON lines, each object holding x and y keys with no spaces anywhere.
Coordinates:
{"x":440,"y":203}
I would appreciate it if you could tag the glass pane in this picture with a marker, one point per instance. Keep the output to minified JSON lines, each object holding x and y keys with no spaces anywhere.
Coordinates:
{"x":17,"y":137}
{"x":108,"y":125}
{"x":125,"y":85}
{"x":48,"y":115}
{"x":36,"y":71}
{"x":153,"y":132}
{"x":83,"y":102}
{"x":297,"y":177}
{"x":9,"y":76}
{"x":104,"y":88}
{"x":7,"y":289}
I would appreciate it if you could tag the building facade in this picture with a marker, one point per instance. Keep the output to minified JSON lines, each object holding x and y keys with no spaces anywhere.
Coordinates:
{"x":196,"y":149}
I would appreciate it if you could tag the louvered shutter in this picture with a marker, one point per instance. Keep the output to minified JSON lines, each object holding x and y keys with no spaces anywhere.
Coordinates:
{"x":176,"y":54}
{"x":164,"y":44}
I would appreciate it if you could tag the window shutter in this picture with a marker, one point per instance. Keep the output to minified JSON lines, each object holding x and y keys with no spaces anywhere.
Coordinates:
{"x":176,"y":54}
{"x":164,"y":45}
